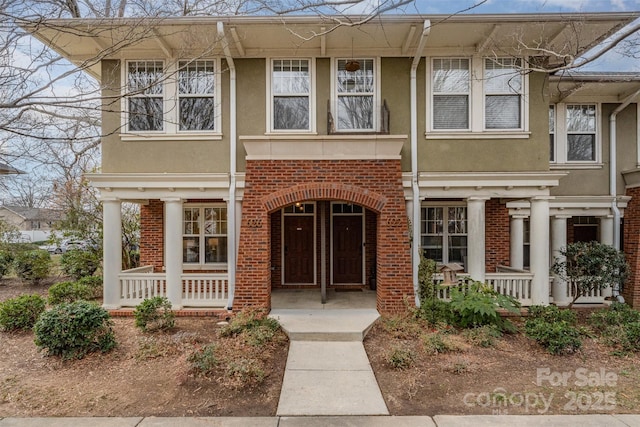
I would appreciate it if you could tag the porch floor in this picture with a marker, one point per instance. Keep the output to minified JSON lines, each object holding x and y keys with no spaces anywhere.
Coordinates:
{"x":309,"y":299}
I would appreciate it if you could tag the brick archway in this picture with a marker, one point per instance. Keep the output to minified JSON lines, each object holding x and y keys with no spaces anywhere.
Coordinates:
{"x":374,"y":184}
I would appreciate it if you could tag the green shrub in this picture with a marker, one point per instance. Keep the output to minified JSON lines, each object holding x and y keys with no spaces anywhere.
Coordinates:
{"x":72,"y":330}
{"x":400,"y":358}
{"x":203,"y":360}
{"x":253,"y":326}
{"x":438,"y":342}
{"x":483,"y":336}
{"x":427,"y":289}
{"x":94,"y":283}
{"x":154,"y":314}
{"x":551,"y":313}
{"x":475,"y":304}
{"x":619,"y":325}
{"x":21,"y":312}
{"x":245,"y":371}
{"x":6,"y":261}
{"x":33,"y":266}
{"x":69,"y":292}
{"x":435,"y":311}
{"x":79,"y":263}
{"x":554,"y":329}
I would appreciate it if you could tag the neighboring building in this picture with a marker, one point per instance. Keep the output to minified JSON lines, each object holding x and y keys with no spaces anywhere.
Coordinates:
{"x":262,"y":158}
{"x":34,"y":223}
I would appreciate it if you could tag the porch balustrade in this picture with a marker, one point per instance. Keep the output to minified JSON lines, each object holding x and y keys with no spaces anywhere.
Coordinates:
{"x":516,"y":285}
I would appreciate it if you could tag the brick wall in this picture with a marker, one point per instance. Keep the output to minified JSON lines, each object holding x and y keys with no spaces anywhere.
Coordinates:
{"x":151,"y":234}
{"x":374,"y":184}
{"x":496,"y":234}
{"x":631,"y":290}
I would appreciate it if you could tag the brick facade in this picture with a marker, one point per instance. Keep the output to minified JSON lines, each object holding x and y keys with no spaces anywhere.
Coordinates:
{"x":152,"y":234}
{"x":631,"y":290}
{"x":496,"y":234}
{"x":374,"y":184}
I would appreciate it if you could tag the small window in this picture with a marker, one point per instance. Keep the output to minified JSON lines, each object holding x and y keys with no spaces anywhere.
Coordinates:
{"x":204,"y":239}
{"x":451,"y":93}
{"x":581,"y":133}
{"x":196,"y":89}
{"x":356,"y":91}
{"x":503,"y":93}
{"x":443,"y":233}
{"x":552,"y":133}
{"x":145,"y":95}
{"x":291,"y":91}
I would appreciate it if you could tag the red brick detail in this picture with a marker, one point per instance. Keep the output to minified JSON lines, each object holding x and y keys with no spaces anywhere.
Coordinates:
{"x":374,"y":184}
{"x":152,"y":234}
{"x":631,"y":289}
{"x":496,"y":234}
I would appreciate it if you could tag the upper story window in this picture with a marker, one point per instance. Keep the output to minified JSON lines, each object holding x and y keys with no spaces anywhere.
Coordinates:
{"x":502,"y":93}
{"x":451,"y":93}
{"x":356,"y":96}
{"x":177,"y":97}
{"x":204,"y":235}
{"x":146,"y":95}
{"x":291,"y":95}
{"x":573,"y":134}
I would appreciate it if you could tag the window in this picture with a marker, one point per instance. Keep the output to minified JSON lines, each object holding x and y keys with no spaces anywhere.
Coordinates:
{"x":451,"y":93}
{"x":145,"y":101}
{"x":443,"y":231}
{"x":502,"y":93}
{"x":552,"y":133}
{"x":581,"y":133}
{"x":355,"y":96}
{"x":196,"y":89}
{"x":291,"y":94}
{"x":204,"y":239}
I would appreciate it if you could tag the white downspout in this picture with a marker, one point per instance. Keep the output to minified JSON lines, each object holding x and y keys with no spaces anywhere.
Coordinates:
{"x":231,"y":208}
{"x":415,"y":220}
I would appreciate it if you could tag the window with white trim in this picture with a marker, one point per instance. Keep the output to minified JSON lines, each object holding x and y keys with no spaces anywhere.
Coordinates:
{"x":443,"y":232}
{"x":355,"y":96}
{"x":451,"y":93}
{"x":502,"y":93}
{"x":204,"y":238}
{"x":575,"y":134}
{"x":196,"y":90}
{"x":145,"y":101}
{"x":291,"y":95}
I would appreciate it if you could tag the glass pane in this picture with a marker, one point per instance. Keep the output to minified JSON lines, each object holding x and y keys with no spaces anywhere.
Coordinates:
{"x":581,"y":147}
{"x":552,"y":148}
{"x":552,"y":119}
{"x":502,"y":75}
{"x":145,"y":77}
{"x":458,"y":249}
{"x":145,"y":114}
{"x":197,"y":114}
{"x":190,"y":249}
{"x":451,"y":112}
{"x":451,"y":75}
{"x":581,"y":118}
{"x":502,"y":111}
{"x":361,"y":81}
{"x":290,"y":77}
{"x":457,"y":220}
{"x":291,"y":112}
{"x":215,"y":249}
{"x":355,"y":112}
{"x":196,"y":77}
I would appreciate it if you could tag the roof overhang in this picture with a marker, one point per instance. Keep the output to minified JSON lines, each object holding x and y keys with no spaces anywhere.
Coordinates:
{"x":82,"y":41}
{"x":588,"y":87}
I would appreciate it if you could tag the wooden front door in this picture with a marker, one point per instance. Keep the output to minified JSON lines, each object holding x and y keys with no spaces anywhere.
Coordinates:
{"x":347,"y":249}
{"x":298,"y":249}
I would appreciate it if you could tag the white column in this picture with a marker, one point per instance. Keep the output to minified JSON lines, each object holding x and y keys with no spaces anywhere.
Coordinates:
{"x":112,"y":251}
{"x":476,"y":238}
{"x":539,"y":236}
{"x":606,"y":237}
{"x":559,"y":241}
{"x":516,"y":244}
{"x":173,"y":250}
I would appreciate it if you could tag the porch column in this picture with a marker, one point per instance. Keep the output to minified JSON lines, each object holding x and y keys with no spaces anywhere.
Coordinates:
{"x":559,"y":241}
{"x":539,"y":235}
{"x":606,"y":237}
{"x":112,"y":251}
{"x":476,"y":240}
{"x":516,"y":244}
{"x":173,"y":250}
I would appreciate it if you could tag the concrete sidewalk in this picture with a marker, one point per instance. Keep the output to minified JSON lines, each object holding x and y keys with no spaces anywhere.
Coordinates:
{"x":361,"y":421}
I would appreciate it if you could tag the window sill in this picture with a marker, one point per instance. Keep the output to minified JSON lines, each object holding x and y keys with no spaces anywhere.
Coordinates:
{"x":565,"y":166}
{"x":292,"y":133}
{"x":477,"y":135}
{"x":171,"y":137}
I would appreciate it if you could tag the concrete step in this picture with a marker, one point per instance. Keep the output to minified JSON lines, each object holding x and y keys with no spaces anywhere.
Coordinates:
{"x":325,"y":325}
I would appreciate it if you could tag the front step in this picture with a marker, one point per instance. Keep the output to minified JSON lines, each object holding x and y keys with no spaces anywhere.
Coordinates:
{"x":325,"y":325}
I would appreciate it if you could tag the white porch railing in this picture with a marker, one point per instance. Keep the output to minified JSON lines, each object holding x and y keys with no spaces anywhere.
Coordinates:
{"x":516,"y":285}
{"x":198,"y":290}
{"x":594,"y":296}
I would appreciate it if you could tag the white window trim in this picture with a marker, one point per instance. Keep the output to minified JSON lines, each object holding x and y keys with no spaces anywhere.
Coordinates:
{"x":364,"y":235}
{"x":377,"y":104}
{"x":524,"y":125}
{"x":171,"y":125}
{"x":312,"y":99}
{"x":202,"y":265}
{"x":476,"y":104}
{"x":561,"y":161}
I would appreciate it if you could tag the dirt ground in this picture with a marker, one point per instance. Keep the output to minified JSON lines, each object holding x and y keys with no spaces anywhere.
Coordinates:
{"x":147,"y":374}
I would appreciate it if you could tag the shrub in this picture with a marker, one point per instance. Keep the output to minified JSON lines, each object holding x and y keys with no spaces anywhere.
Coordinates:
{"x":94,"y":283}
{"x":154,"y":314}
{"x":475,"y":304}
{"x":33,"y":265}
{"x":72,"y":330}
{"x":427,"y":290}
{"x":69,"y":292}
{"x":203,"y":360}
{"x":554,"y":329}
{"x":6,"y":260}
{"x":438,"y":343}
{"x":79,"y":263}
{"x":21,"y":312}
{"x":245,"y":371}
{"x":435,"y":311}
{"x":400,"y":358}
{"x":619,"y":325}
{"x":255,"y":327}
{"x":552,"y":313}
{"x":483,"y":336}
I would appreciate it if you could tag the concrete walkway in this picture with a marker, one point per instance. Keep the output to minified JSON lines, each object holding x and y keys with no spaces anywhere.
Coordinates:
{"x":328,"y":372}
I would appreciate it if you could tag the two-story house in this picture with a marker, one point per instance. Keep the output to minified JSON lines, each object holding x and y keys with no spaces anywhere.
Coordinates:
{"x":292,"y":152}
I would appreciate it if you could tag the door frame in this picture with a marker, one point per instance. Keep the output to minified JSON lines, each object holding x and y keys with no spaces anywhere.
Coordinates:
{"x":284,"y":214}
{"x":364,"y":234}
